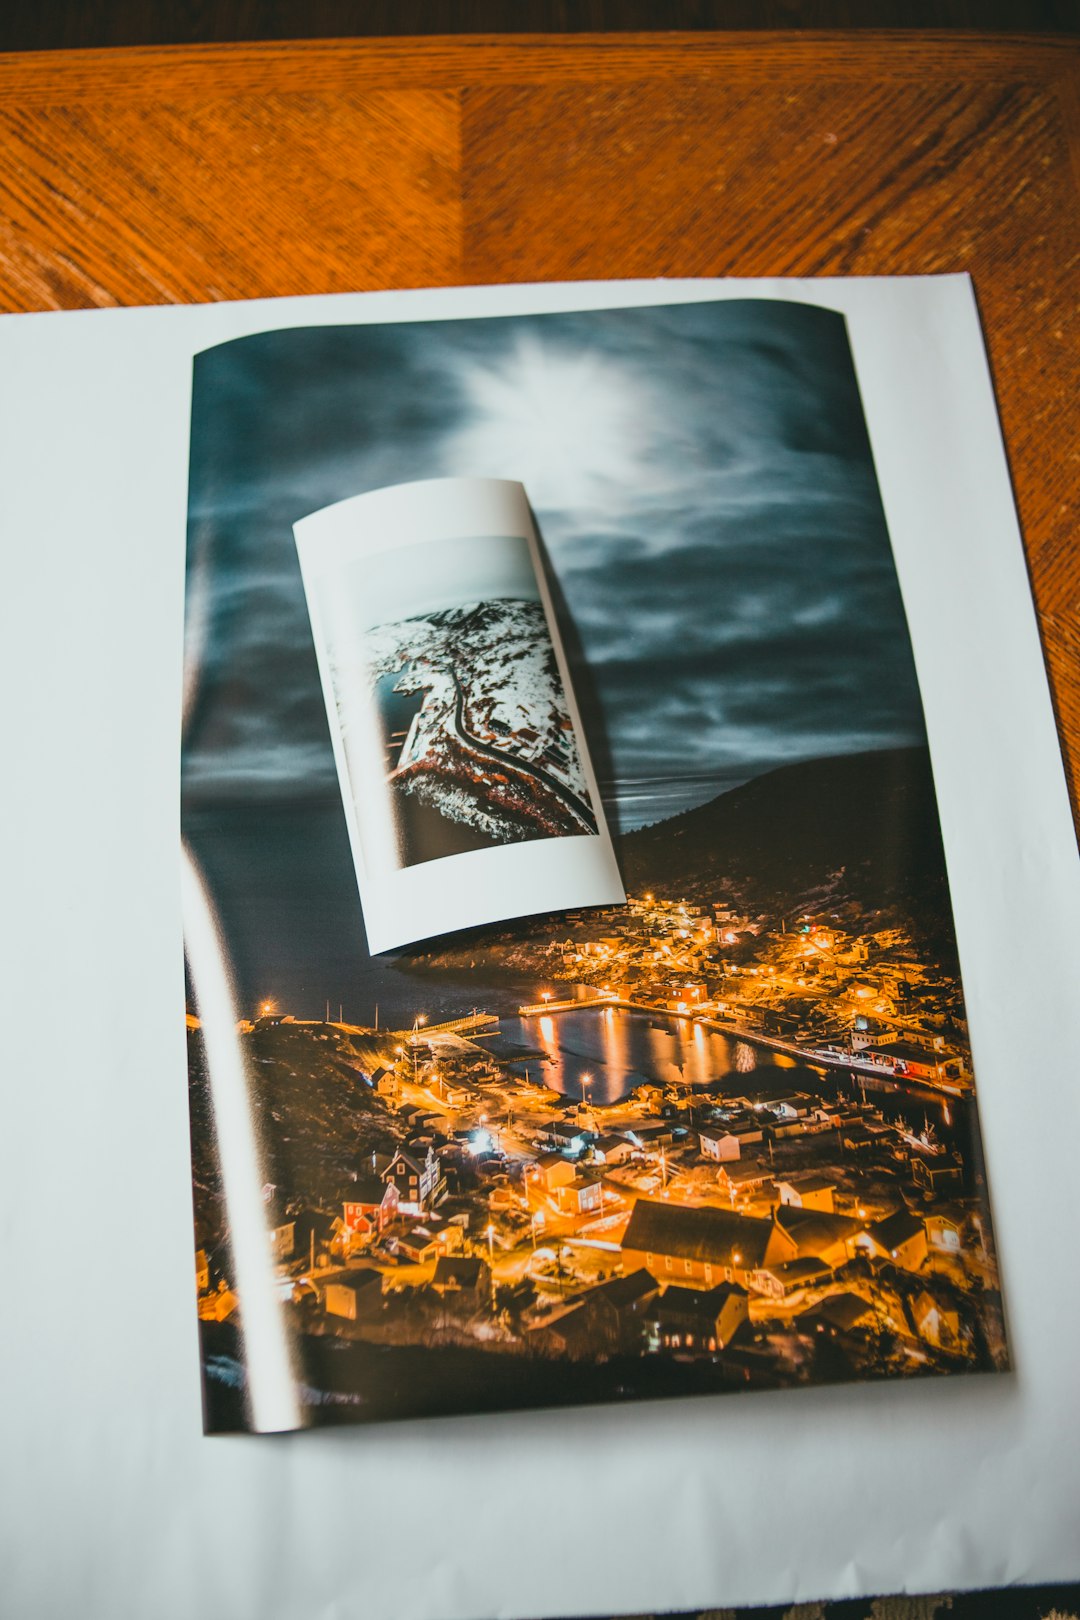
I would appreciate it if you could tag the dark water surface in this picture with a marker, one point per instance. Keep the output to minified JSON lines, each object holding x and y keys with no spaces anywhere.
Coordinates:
{"x":602,"y":1054}
{"x":282,"y":882}
{"x":619,"y":1050}
{"x":397,"y":710}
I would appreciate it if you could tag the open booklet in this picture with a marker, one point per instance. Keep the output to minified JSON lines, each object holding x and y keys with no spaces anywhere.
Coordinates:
{"x":714,"y":1131}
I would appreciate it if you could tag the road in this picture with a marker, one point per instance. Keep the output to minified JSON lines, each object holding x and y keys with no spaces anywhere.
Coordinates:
{"x":573,"y":802}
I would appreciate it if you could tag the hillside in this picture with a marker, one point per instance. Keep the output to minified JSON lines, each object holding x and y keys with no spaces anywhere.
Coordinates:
{"x":862,"y":827}
{"x":859,"y":828}
{"x":315,"y":1117}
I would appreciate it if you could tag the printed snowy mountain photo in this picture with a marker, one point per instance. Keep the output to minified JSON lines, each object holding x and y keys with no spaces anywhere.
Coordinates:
{"x":461,"y":761}
{"x":479,"y":743}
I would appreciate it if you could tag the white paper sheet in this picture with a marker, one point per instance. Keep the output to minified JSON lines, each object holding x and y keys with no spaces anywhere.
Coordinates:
{"x":114,"y":1504}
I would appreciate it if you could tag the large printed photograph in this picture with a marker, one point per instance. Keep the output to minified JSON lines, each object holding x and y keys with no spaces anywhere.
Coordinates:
{"x":722,"y":1138}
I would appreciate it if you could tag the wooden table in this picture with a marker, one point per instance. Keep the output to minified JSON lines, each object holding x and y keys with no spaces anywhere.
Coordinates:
{"x":199,"y":173}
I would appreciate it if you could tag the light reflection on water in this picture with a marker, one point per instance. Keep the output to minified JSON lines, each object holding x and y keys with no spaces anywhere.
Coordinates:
{"x":620,"y":1050}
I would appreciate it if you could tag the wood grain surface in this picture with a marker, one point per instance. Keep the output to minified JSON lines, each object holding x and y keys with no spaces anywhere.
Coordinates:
{"x":201,"y":173}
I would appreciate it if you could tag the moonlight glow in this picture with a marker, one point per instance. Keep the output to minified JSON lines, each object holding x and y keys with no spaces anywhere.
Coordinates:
{"x":567,"y":425}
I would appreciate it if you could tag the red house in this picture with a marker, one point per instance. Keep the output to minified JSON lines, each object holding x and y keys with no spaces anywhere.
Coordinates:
{"x":371,"y":1204}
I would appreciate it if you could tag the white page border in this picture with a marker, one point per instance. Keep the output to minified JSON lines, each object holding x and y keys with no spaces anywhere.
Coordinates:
{"x":958,"y":1482}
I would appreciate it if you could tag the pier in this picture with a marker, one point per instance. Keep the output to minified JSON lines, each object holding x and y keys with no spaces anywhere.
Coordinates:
{"x":452,"y":1026}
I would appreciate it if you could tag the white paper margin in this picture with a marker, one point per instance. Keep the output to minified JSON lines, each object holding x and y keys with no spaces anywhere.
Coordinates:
{"x":799,"y":1494}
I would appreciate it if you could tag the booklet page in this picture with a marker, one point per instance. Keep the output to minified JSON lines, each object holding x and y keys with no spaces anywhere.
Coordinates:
{"x":527,"y":1137}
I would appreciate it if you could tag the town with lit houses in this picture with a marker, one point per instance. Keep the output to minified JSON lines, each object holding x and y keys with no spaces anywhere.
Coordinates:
{"x":766,"y":1177}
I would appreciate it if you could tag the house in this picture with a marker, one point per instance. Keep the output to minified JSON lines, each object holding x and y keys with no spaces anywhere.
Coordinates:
{"x":787,"y":1108}
{"x":418,"y":1246}
{"x":610,"y":1319}
{"x":687,"y":993}
{"x":567,"y":1332}
{"x":417,"y":1177}
{"x":697,"y":1245}
{"x":809,"y":1191}
{"x":580,"y":1196}
{"x":202,"y":1271}
{"x":783,"y":1126}
{"x":451,"y":1092}
{"x":938,"y":1324}
{"x":218,"y":1305}
{"x":945,"y":1230}
{"x":384,"y":1082}
{"x":656,"y":1136}
{"x":900,"y":1237}
{"x":458,"y":1275}
{"x":727,"y":1142}
{"x":699,"y":1319}
{"x":613,"y":1149}
{"x":568,"y":1137}
{"x":937,"y":1176}
{"x":799,"y":1234}
{"x":616,"y":1310}
{"x":869,"y":1032}
{"x":420,"y":1143}
{"x":916,"y":1061}
{"x":745,"y":1176}
{"x":551,"y":1171}
{"x":413,"y":1117}
{"x":837,"y":1313}
{"x":859,"y":1136}
{"x":354,"y":1295}
{"x":787,"y":1277}
{"x":370,"y":1205}
{"x":450,"y":1238}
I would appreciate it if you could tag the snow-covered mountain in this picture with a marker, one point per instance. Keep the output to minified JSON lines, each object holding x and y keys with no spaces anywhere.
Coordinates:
{"x":491,"y":743}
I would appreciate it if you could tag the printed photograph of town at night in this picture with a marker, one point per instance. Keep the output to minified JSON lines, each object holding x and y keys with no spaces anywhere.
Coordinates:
{"x":720,"y":1139}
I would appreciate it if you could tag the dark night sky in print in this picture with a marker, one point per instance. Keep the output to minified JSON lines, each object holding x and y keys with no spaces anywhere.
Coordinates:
{"x":703,"y":486}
